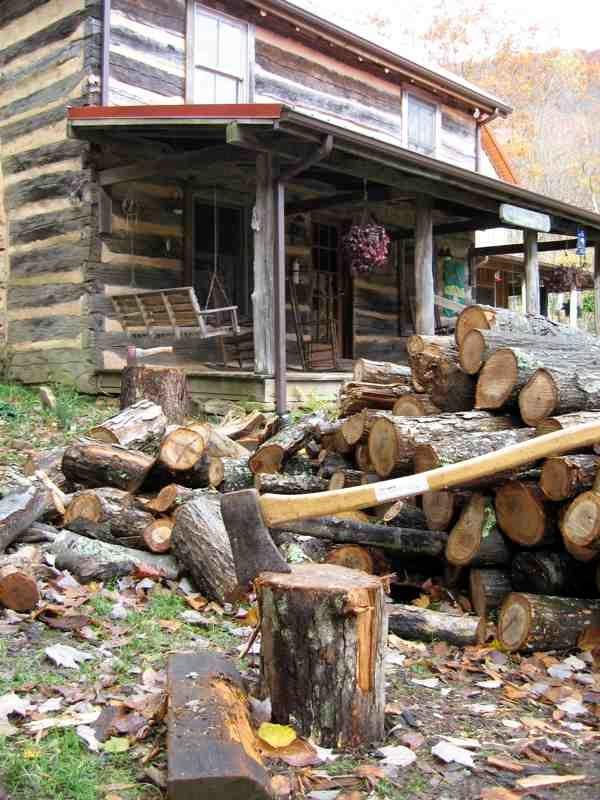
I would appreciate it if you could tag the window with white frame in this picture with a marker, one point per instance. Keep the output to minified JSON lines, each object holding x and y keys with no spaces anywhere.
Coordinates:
{"x":219,"y":58}
{"x":421,"y":125}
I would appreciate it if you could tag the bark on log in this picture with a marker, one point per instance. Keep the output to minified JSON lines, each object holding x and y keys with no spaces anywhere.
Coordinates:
{"x":393,"y":440}
{"x":511,"y":323}
{"x":157,"y":536}
{"x":93,"y":560}
{"x":488,"y":588}
{"x":553,"y":390}
{"x":162,"y":385}
{"x":324,"y":632}
{"x":475,"y":540}
{"x":362,"y":458}
{"x":563,"y":477}
{"x":415,"y":405}
{"x":94,"y":464}
{"x":354,"y":397}
{"x":412,"y":544}
{"x":201,"y":545}
{"x":580,"y":523}
{"x":410,"y":622}
{"x":560,"y":423}
{"x":113,"y":515}
{"x":268,"y":483}
{"x":183,"y":447}
{"x":343,"y":478}
{"x":19,"y":510}
{"x":139,"y":427}
{"x":524,"y":515}
{"x":550,"y":573}
{"x":355,"y":428}
{"x":218,"y":445}
{"x":382,"y":372}
{"x":531,"y":622}
{"x":404,"y":514}
{"x":243,"y":426}
{"x":236,"y":475}
{"x":272,"y":454}
{"x":169,"y":498}
{"x":436,"y":370}
{"x":355,"y":556}
{"x":49,"y":462}
{"x":18,"y":588}
{"x":442,"y":509}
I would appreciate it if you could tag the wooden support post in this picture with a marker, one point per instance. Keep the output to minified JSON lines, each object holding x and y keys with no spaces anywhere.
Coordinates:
{"x":424,"y":293}
{"x":532,"y":273}
{"x":263,"y":223}
{"x":573,"y":303}
{"x":523,"y":294}
{"x":279,"y":298}
{"x":597,"y":288}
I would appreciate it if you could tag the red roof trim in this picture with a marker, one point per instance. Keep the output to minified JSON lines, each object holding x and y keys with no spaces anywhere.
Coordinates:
{"x":217,"y":111}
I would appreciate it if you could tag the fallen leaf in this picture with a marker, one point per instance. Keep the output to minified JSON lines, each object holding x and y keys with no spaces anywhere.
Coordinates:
{"x":251,"y":617}
{"x":469,"y":744}
{"x":369,"y":771}
{"x":413,"y":739}
{"x":11,"y":703}
{"x":66,"y":656}
{"x":541,"y":781}
{"x":69,"y":720}
{"x":276,"y":735}
{"x":298,"y":753}
{"x":428,"y":683}
{"x":489,"y":684}
{"x":397,"y":755}
{"x":281,"y":786}
{"x":451,"y":753}
{"x":88,"y":735}
{"x":52,"y":704}
{"x":171,"y":625}
{"x":482,"y":708}
{"x":196,"y":601}
{"x":65,"y":622}
{"x":118,"y":744}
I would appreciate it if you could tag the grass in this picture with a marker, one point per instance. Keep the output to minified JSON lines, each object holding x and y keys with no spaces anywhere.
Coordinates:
{"x":25,"y":670}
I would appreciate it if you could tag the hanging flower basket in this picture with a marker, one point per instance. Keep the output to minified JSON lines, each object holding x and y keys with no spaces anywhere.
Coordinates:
{"x":367,"y":248}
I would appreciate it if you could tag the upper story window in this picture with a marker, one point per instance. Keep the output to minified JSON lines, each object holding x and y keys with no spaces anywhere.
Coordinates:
{"x":220,"y":58}
{"x":421,"y":125}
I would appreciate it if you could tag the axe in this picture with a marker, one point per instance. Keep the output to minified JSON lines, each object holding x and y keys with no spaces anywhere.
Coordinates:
{"x":247,"y":515}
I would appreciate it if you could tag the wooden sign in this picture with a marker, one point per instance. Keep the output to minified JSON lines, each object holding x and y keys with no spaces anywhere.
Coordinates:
{"x":524,"y":218}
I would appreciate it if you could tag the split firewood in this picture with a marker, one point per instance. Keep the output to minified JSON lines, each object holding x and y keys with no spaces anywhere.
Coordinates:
{"x":201,"y":545}
{"x":524,"y":514}
{"x":382,"y":372}
{"x":436,"y":371}
{"x":219,"y":445}
{"x":157,"y":536}
{"x":268,"y":483}
{"x":415,"y":405}
{"x":532,"y":622}
{"x":475,"y":540}
{"x":442,"y":509}
{"x":240,"y":427}
{"x":563,"y":477}
{"x":49,"y":462}
{"x":551,"y":573}
{"x":19,"y":510}
{"x":345,"y":658}
{"x":112,"y":514}
{"x":271,"y":455}
{"x":353,"y":397}
{"x":411,"y":622}
{"x":236,"y":475}
{"x":355,"y":556}
{"x":93,"y":560}
{"x":166,"y":386}
{"x":94,"y":464}
{"x":139,"y":427}
{"x":488,"y":589}
{"x":560,"y":390}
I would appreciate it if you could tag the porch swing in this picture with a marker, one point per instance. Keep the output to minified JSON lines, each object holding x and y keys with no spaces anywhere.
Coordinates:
{"x":176,"y":313}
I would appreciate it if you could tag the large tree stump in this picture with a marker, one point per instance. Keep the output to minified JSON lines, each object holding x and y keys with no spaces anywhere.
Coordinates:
{"x":165,"y":386}
{"x":384,"y":372}
{"x":94,"y":463}
{"x":475,"y":540}
{"x":411,"y":622}
{"x":140,"y":427}
{"x":564,"y":477}
{"x":323,"y":646}
{"x":531,"y":622}
{"x":488,"y":588}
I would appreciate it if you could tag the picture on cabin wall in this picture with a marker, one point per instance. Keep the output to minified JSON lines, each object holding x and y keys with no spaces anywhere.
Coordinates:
{"x":455,"y":282}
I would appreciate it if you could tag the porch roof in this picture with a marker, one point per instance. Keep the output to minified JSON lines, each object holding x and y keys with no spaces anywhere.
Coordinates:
{"x":293,"y":136}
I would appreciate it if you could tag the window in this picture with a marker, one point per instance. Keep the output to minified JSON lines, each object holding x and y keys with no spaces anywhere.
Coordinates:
{"x":421,"y":125}
{"x":219,"y":58}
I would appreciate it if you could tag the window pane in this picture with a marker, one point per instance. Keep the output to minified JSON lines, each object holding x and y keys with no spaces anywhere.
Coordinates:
{"x":206,"y":43}
{"x":231,"y":49}
{"x":204,"y":86}
{"x":226,"y":90}
{"x":421,"y":125}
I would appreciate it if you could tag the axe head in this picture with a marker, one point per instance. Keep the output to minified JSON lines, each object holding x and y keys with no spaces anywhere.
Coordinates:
{"x":253,"y":549}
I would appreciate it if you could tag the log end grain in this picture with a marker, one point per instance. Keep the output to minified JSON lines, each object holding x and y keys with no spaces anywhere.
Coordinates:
{"x":538,"y":398}
{"x":471,"y":317}
{"x":18,"y":590}
{"x":471,"y":353}
{"x":352,"y":556}
{"x":580,"y":524}
{"x":158,"y":535}
{"x":383,"y":447}
{"x":520,"y":513}
{"x":496,"y":380}
{"x":182,"y":448}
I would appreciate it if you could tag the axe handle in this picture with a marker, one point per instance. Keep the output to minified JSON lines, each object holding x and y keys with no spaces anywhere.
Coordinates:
{"x":277,"y":509}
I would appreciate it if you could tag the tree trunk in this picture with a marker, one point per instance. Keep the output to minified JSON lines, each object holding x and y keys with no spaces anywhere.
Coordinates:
{"x":268,"y":483}
{"x":382,"y":372}
{"x":92,"y":560}
{"x":511,"y":323}
{"x":435,"y":369}
{"x":272,"y":454}
{"x":554,"y":390}
{"x":410,"y":622}
{"x":114,"y":516}
{"x":182,"y":447}
{"x":524,"y":515}
{"x":20,"y":509}
{"x":139,"y":427}
{"x":580,"y":523}
{"x":531,"y":622}
{"x":442,"y":509}
{"x":18,"y":589}
{"x":355,"y":556}
{"x":49,"y":462}
{"x":488,"y":588}
{"x":324,"y":634}
{"x":564,"y":477}
{"x":166,"y":386}
{"x":411,"y":544}
{"x":415,"y":405}
{"x":96,"y":464}
{"x":157,"y":536}
{"x":236,"y":475}
{"x":474,"y":540}
{"x":356,"y":396}
{"x":201,"y":545}
{"x":393,"y":440}
{"x":550,"y":573}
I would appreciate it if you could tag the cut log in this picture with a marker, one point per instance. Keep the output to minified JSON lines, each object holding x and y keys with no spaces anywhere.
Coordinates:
{"x":442,"y":509}
{"x":343,"y":478}
{"x":289,"y":484}
{"x":393,"y":440}
{"x":335,"y":443}
{"x":404,"y":514}
{"x":532,"y":622}
{"x":563,"y":477}
{"x":475,"y":540}
{"x":580,"y":523}
{"x":20,"y":509}
{"x":355,"y":556}
{"x":93,"y":560}
{"x":354,"y":396}
{"x":94,"y":464}
{"x":236,"y":475}
{"x":200,"y":543}
{"x":488,"y":589}
{"x":157,"y":536}
{"x":524,"y":515}
{"x":182,"y":447}
{"x":49,"y":462}
{"x":139,"y":427}
{"x":169,"y":498}
{"x":362,"y":458}
{"x":243,"y":426}
{"x":552,"y":390}
{"x":412,"y":544}
{"x":356,"y":427}
{"x":410,"y":622}
{"x":415,"y":405}
{"x":436,"y":370}
{"x":324,"y":634}
{"x":553,"y":573}
{"x":206,"y":472}
{"x":503,"y":376}
{"x":113,"y":514}
{"x":167,"y":387}
{"x":211,"y":746}
{"x":272,"y":454}
{"x":382,"y":372}
{"x":18,"y":589}
{"x":218,"y":445}
{"x":564,"y":421}
{"x":511,"y":323}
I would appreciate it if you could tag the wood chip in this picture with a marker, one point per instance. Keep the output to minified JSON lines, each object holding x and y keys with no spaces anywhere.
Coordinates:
{"x":505,"y":764}
{"x":541,"y":781}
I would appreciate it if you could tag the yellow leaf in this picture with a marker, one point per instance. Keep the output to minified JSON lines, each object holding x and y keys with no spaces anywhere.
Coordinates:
{"x":422,"y":601}
{"x":251,"y":617}
{"x":276,"y":735}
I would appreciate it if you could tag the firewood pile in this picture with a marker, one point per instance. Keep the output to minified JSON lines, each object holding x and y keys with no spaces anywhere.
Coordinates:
{"x":138,"y":494}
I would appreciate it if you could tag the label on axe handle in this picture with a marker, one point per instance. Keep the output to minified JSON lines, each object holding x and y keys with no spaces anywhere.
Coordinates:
{"x":402,"y":487}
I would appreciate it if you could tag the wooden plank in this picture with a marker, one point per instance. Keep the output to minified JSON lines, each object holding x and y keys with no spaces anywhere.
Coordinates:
{"x":166,"y":14}
{"x":58,"y":31}
{"x":424,"y":292}
{"x":168,"y":165}
{"x":597,"y":288}
{"x":139,"y":75}
{"x":532,"y":272}
{"x":264,"y":258}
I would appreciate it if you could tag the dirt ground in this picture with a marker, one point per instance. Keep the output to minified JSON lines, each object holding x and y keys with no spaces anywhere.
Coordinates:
{"x":88,"y":723}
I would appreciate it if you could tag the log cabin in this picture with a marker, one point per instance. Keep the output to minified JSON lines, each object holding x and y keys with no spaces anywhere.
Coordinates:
{"x":184,"y":173}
